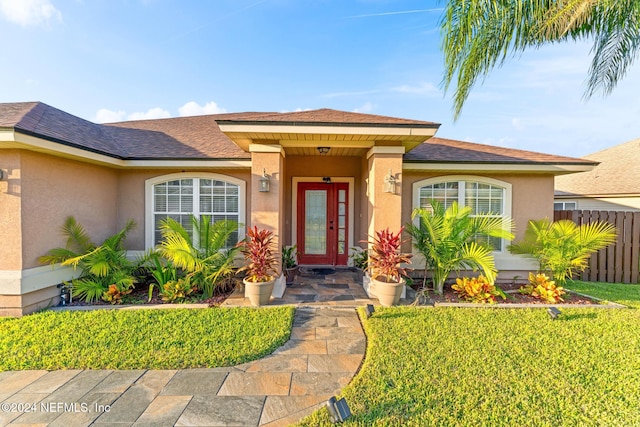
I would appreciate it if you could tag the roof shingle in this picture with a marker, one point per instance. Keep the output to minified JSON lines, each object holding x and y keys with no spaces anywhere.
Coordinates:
{"x":617,"y":173}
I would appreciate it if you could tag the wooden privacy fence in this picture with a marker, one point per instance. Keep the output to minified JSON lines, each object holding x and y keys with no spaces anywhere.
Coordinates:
{"x":617,"y":263}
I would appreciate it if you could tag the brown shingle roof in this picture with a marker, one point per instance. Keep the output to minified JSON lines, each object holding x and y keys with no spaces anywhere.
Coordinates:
{"x":441,"y":150}
{"x":326,"y":116}
{"x":617,"y":173}
{"x":199,"y":137}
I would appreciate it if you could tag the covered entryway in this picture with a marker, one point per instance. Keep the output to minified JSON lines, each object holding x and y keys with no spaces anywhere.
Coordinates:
{"x":322,"y":223}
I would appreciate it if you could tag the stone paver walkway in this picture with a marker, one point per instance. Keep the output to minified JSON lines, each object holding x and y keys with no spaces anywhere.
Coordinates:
{"x":325,"y":350}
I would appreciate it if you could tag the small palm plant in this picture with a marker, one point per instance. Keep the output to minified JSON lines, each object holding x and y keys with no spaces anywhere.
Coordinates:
{"x":452,"y":239}
{"x":102,"y":266}
{"x":206,"y":257}
{"x":563,"y":248}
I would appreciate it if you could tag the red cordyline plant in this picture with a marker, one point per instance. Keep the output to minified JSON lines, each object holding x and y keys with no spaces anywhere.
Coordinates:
{"x":385,"y":257}
{"x":258,"y":251}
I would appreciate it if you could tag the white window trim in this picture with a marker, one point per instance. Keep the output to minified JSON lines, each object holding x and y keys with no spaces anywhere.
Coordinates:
{"x":149,"y":202}
{"x":474,"y":178}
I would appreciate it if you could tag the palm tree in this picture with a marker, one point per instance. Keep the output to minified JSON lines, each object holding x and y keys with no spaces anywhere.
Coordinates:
{"x":101,"y":266}
{"x":480,"y":34}
{"x":451,"y":240}
{"x":562,"y":247}
{"x":207,"y":257}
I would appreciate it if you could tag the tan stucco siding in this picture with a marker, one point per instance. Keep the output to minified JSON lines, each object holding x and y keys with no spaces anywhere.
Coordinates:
{"x":131,"y":197}
{"x":10,"y":207}
{"x":629,"y":204}
{"x":532,"y":195}
{"x":320,"y":166}
{"x":53,"y":189}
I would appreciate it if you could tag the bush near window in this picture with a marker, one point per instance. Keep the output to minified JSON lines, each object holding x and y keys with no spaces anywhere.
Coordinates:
{"x":563,"y":248}
{"x":450,"y":240}
{"x":205,"y":257}
{"x":102,"y":266}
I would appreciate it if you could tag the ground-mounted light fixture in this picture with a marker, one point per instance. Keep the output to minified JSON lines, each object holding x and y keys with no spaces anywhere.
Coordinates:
{"x":389,"y":183}
{"x":324,"y":150}
{"x":326,"y":179}
{"x":264,"y":182}
{"x":338,"y":410}
{"x":553,"y":312}
{"x":369,"y":309}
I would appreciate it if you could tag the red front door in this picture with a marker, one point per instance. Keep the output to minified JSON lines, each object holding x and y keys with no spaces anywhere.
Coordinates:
{"x":322,"y":223}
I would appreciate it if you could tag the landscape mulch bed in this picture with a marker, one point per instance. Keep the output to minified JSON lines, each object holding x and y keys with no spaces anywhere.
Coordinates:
{"x":140,"y":296}
{"x":512,"y":292}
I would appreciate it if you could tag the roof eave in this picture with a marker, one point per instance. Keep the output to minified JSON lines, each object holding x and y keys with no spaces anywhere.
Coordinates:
{"x":499,"y":167}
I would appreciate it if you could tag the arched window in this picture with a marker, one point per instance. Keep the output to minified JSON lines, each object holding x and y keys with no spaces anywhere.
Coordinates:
{"x":485,"y":196}
{"x":179,"y":196}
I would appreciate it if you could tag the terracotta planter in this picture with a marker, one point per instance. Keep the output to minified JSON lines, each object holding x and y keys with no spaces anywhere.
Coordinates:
{"x":259,"y":293}
{"x":388,"y":293}
{"x":290,"y":274}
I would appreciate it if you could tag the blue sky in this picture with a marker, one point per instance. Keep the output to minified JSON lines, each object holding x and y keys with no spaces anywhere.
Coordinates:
{"x":113,"y":60}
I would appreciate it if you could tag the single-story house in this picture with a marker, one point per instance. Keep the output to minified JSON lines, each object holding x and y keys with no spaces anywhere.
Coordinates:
{"x":323,"y":180}
{"x":613,"y":185}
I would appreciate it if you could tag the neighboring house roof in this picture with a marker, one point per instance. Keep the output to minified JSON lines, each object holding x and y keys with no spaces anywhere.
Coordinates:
{"x":200,"y":137}
{"x":617,"y":174}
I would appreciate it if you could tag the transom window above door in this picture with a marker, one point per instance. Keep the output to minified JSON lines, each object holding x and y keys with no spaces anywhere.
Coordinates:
{"x":180,"y":196}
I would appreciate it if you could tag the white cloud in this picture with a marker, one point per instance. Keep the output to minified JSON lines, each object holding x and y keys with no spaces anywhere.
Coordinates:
{"x":421,"y":89}
{"x":517,"y":123}
{"x":152,"y":113}
{"x":29,"y":12}
{"x":367,"y":107}
{"x":107,"y":116}
{"x":192,"y":108}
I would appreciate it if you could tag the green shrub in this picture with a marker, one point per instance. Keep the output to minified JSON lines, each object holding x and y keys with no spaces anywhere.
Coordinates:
{"x":477,"y":289}
{"x":541,"y":287}
{"x":101,"y":266}
{"x":563,"y":248}
{"x":450,"y":240}
{"x":177,"y":290}
{"x":206,"y":256}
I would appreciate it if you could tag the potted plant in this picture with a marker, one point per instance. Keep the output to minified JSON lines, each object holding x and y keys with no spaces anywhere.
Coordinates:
{"x":257,"y":248}
{"x":384,"y":264}
{"x":290,"y":263}
{"x":360,"y":259}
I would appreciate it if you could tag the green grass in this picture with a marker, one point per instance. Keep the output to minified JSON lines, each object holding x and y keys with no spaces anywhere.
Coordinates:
{"x":617,"y":292}
{"x":137,"y":339}
{"x":499,"y":367}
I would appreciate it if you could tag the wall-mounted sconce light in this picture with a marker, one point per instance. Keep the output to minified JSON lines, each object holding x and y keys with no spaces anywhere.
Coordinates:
{"x":264,"y":182}
{"x":326,"y":179}
{"x":323,"y":150}
{"x":389,"y":183}
{"x":1,"y":174}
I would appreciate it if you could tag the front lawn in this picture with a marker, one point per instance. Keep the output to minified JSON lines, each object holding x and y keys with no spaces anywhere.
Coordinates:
{"x":498,"y":367}
{"x":617,"y":292}
{"x":142,"y":339}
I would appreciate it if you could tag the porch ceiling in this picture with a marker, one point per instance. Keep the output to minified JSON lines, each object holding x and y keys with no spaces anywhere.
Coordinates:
{"x":306,"y":139}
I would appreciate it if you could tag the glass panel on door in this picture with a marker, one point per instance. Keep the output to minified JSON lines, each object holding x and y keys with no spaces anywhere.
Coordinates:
{"x":315,"y":229}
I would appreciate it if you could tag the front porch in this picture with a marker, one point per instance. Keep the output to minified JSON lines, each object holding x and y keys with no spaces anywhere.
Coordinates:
{"x":339,"y":287}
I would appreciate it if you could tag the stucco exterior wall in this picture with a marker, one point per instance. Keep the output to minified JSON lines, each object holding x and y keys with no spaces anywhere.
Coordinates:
{"x":10,"y":211}
{"x":54,"y":188}
{"x":131,"y":197}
